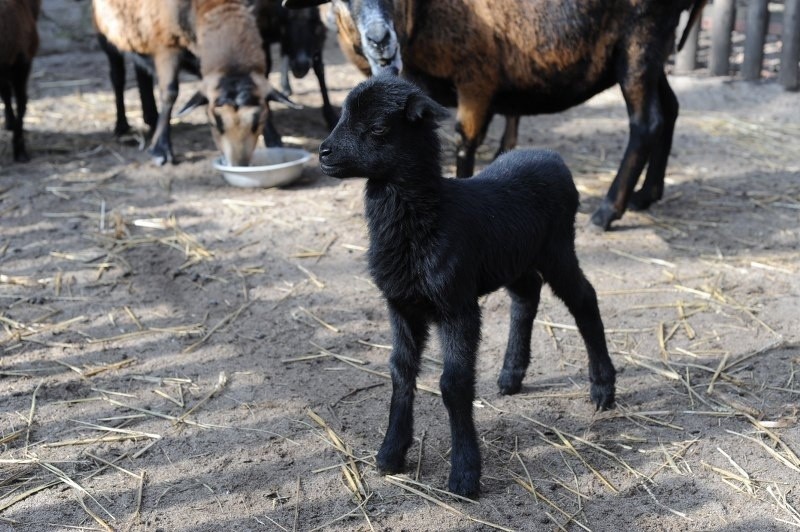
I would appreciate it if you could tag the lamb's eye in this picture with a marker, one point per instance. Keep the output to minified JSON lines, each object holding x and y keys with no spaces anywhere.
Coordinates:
{"x":379,"y":130}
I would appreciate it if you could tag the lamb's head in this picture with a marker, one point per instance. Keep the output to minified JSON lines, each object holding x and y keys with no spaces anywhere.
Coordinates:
{"x":375,"y":22}
{"x":387,"y":132}
{"x":236,"y":107}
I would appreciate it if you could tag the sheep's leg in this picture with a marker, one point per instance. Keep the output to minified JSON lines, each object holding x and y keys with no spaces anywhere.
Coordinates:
{"x":19,"y":86}
{"x":571,"y":286}
{"x":653,"y":188}
{"x":510,"y":135}
{"x":286,"y":87}
{"x":5,"y":95}
{"x":646,"y":123}
{"x":460,"y":335}
{"x":525,"y":294}
{"x":116,"y":64}
{"x":331,"y":118}
{"x":167,"y":63}
{"x":409,"y":334}
{"x":149,"y":111}
{"x":472,"y":120}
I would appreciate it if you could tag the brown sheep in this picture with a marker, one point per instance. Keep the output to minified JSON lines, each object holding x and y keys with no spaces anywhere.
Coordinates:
{"x":350,"y":43}
{"x":532,"y":57}
{"x":19,"y":41}
{"x":224,"y":37}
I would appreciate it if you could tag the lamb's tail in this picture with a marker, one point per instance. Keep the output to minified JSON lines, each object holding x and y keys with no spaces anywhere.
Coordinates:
{"x":694,"y":15}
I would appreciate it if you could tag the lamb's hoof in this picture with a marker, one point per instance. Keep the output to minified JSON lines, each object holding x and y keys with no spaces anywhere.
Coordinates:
{"x":390,"y":465}
{"x":641,"y":200}
{"x":465,"y":483}
{"x":602,"y":217}
{"x":603,"y":395}
{"x":509,"y":383}
{"x":22,"y":156}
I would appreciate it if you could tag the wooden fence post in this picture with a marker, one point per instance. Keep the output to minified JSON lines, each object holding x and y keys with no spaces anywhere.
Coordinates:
{"x":721,"y":28}
{"x":790,"y":52}
{"x":755,"y":35}
{"x":686,"y":58}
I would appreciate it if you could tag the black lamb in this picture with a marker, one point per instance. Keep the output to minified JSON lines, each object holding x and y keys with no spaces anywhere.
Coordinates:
{"x":438,"y":244}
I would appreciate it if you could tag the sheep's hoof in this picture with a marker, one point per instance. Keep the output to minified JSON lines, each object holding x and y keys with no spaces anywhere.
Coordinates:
{"x":160,"y":157}
{"x":465,"y":483}
{"x":603,"y":395}
{"x":121,"y":129}
{"x":603,"y":216}
{"x":641,"y":200}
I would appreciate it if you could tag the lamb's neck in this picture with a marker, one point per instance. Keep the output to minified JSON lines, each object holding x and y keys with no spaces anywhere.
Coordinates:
{"x":402,"y":217}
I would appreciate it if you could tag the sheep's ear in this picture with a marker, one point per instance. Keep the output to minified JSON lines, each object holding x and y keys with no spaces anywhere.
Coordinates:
{"x":274,"y":95}
{"x":195,"y":101}
{"x":298,"y":4}
{"x":420,"y":106}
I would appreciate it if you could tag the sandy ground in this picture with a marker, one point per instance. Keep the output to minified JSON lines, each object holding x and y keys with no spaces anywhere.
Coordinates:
{"x":195,"y":335}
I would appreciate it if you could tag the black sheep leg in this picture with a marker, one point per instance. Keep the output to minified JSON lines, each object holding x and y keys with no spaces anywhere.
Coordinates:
{"x":460,"y":335}
{"x":653,"y":188}
{"x":116,"y":63}
{"x":571,"y":286}
{"x":525,"y":294}
{"x":19,"y":86}
{"x":409,"y":334}
{"x":5,"y":95}
{"x":646,"y":125}
{"x":331,"y":117}
{"x":510,"y":134}
{"x":144,"y":80}
{"x":167,"y":73}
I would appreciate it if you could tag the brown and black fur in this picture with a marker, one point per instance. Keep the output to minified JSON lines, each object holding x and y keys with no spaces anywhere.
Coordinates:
{"x":223,"y":35}
{"x":443,"y":91}
{"x":19,"y":42}
{"x":544,"y":56}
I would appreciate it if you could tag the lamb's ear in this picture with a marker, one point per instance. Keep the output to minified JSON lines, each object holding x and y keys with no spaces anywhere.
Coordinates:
{"x":274,"y":95}
{"x":419,"y":107}
{"x":196,"y":100}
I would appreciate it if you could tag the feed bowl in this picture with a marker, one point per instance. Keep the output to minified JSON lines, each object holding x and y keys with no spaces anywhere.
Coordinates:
{"x":269,"y":167}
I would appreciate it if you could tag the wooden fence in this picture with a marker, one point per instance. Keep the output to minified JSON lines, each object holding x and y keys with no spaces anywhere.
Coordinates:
{"x":755,"y":23}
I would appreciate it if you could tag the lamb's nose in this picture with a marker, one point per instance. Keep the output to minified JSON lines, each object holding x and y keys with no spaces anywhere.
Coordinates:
{"x":324,"y":151}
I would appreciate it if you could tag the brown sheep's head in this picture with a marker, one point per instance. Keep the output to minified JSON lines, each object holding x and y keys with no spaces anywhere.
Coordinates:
{"x":236,"y":106}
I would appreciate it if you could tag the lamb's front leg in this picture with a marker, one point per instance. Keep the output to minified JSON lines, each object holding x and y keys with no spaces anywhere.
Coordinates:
{"x":409,"y":333}
{"x":460,"y":336}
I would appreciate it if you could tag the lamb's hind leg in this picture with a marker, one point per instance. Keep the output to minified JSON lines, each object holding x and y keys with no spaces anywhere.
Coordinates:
{"x":525,"y":294}
{"x":409,"y":334}
{"x":570,"y":285}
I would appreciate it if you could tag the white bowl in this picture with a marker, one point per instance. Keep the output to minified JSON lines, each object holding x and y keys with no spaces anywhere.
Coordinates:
{"x":270,"y":167}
